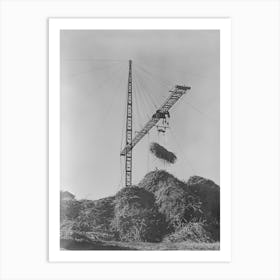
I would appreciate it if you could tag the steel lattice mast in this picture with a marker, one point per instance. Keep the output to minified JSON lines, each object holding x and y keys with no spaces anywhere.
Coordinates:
{"x":175,"y":94}
{"x":128,"y":156}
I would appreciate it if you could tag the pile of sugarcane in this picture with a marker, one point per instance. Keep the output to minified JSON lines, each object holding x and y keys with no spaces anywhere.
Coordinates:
{"x":136,"y":216}
{"x":161,"y":153}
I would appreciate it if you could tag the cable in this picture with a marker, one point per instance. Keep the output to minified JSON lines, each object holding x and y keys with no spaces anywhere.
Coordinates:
{"x":145,"y":102}
{"x":202,"y":113}
{"x":91,"y":70}
{"x":153,"y":102}
{"x":148,"y":153}
{"x":182,"y":151}
{"x":162,"y":86}
{"x":160,"y":79}
{"x":109,"y":110}
{"x":136,"y":103}
{"x":94,"y":59}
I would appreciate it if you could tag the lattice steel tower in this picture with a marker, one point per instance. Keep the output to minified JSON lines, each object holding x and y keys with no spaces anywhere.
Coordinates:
{"x":128,"y":156}
{"x":175,"y":94}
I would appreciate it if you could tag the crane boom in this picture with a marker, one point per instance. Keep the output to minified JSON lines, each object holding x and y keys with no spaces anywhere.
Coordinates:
{"x":174,"y":96}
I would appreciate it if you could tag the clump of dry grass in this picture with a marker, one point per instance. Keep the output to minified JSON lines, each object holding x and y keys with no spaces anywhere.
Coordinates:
{"x":136,"y":217}
{"x":191,"y":232}
{"x":154,"y":180}
{"x":99,"y":213}
{"x":69,"y":209}
{"x":161,"y":153}
{"x":209,"y":194}
{"x":172,"y":198}
{"x":88,"y":219}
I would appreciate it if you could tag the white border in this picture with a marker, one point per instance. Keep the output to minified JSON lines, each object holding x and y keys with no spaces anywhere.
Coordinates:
{"x":55,"y":25}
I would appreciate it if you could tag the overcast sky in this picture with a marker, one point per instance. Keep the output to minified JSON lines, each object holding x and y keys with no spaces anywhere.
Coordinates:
{"x":94,"y":73}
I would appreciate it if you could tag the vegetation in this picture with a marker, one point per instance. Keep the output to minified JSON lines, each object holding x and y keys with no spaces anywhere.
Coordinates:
{"x":192,"y":231}
{"x":65,"y":195}
{"x":160,"y":210}
{"x":209,"y":195}
{"x":173,"y":198}
{"x":137,"y":217}
{"x":161,"y":153}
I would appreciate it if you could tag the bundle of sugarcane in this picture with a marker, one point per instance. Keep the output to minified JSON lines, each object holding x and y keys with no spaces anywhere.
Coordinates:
{"x":161,"y":153}
{"x":136,"y":216}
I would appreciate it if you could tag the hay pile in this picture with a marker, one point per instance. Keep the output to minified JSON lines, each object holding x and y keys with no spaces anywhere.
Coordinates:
{"x":191,"y":232}
{"x":161,"y":153}
{"x":69,"y":209}
{"x":160,"y":208}
{"x":209,"y":194}
{"x":154,"y":180}
{"x":85,"y":219}
{"x":172,"y":198}
{"x":100,"y":213}
{"x":136,"y":217}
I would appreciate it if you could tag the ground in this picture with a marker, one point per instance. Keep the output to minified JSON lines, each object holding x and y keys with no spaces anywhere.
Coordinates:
{"x":118,"y":245}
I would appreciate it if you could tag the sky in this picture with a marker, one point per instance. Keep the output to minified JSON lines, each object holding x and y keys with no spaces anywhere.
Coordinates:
{"x":94,"y":74}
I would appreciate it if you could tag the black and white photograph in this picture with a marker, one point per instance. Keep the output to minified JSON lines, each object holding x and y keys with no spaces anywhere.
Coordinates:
{"x":140,"y":153}
{"x":140,"y":140}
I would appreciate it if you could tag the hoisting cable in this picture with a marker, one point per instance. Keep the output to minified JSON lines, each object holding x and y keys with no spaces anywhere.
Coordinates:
{"x":159,"y":98}
{"x":149,"y":74}
{"x":92,"y":69}
{"x":201,"y":113}
{"x":139,"y":120}
{"x":182,"y":151}
{"x":145,"y":102}
{"x":108,"y":111}
{"x":150,"y":96}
